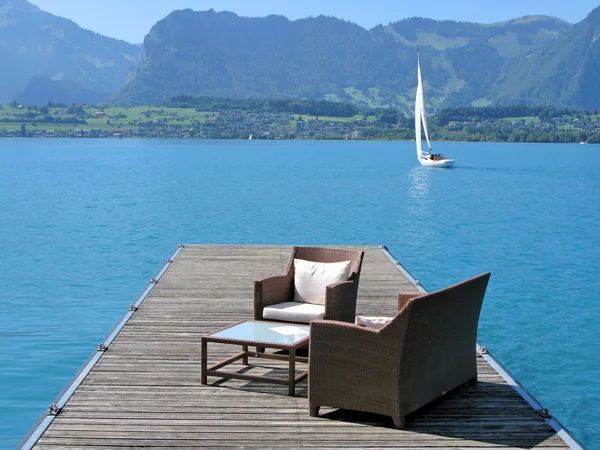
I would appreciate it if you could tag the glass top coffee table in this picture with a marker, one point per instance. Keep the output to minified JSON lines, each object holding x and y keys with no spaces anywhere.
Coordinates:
{"x":275,"y":335}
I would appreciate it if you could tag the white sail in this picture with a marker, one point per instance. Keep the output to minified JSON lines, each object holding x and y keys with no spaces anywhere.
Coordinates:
{"x":427,"y":158}
{"x":420,"y":115}
{"x":418,"y":108}
{"x":424,"y":119}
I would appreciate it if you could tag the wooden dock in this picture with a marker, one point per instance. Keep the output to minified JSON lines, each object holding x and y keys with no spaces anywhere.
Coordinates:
{"x":142,"y":387}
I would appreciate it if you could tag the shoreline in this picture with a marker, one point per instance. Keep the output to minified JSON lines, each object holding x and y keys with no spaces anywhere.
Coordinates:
{"x":279,"y":139}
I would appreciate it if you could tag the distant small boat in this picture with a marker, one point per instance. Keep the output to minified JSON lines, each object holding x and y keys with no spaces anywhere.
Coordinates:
{"x":427,"y":158}
{"x":583,"y":142}
{"x":250,"y":137}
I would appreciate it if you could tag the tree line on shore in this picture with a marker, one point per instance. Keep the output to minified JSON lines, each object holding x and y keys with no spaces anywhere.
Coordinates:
{"x":517,"y":123}
{"x":514,"y":123}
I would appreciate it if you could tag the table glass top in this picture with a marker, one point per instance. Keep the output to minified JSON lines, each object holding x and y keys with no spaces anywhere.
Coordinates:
{"x":278,"y":333}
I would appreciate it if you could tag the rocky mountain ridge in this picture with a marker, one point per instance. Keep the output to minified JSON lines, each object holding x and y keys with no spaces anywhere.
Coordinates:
{"x":36,"y":43}
{"x":221,"y":54}
{"x":529,"y":60}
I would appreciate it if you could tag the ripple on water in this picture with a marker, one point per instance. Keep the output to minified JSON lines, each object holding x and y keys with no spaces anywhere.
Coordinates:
{"x":86,"y":224}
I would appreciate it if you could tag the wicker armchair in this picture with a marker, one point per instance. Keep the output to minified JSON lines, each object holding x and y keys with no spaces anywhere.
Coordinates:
{"x":426,"y":350}
{"x":340,"y":298}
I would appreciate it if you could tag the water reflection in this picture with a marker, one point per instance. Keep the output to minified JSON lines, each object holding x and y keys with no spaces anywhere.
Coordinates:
{"x":419,"y":184}
{"x":419,"y":205}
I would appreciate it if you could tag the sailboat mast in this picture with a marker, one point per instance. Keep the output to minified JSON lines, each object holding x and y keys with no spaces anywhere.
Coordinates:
{"x":418,"y":107}
{"x":423,"y":114}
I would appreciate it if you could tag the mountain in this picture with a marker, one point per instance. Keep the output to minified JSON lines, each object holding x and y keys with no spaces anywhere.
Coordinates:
{"x":221,"y":54}
{"x":563,"y":73}
{"x":34,"y":42}
{"x":40,"y":90}
{"x":530,"y":60}
{"x":467,"y":57}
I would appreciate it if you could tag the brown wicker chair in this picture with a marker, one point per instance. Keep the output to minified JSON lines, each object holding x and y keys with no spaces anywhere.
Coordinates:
{"x":340,"y":298}
{"x":425,"y":351}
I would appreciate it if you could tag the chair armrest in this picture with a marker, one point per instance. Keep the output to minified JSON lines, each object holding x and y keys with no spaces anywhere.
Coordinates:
{"x":367,"y":361}
{"x":346,"y":340}
{"x":271,"y":290}
{"x":404,"y":297}
{"x":340,"y":301}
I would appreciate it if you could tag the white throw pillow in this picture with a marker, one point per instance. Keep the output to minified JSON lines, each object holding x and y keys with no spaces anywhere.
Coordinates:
{"x":311,"y":278}
{"x":373,"y":322}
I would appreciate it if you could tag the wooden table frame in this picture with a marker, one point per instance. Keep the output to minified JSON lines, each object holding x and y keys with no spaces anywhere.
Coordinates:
{"x":292,"y":379}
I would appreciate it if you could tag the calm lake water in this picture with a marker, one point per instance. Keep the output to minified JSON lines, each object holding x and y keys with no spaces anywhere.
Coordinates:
{"x":85,"y":224}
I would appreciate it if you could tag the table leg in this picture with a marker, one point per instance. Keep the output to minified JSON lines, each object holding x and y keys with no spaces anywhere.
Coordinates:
{"x":204,"y":362}
{"x":292,"y":374}
{"x":245,"y":358}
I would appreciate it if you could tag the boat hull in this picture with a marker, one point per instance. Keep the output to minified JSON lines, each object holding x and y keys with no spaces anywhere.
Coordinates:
{"x":441,"y":163}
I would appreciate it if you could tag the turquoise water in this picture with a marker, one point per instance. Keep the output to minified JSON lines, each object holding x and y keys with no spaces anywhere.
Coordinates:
{"x":85,"y":224}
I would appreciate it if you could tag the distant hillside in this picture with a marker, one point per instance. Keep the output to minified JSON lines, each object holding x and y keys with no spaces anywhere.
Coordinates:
{"x":41,"y":90}
{"x":566,"y":72}
{"x":34,"y":42}
{"x":470,"y":56}
{"x":220,"y":54}
{"x":530,"y":60}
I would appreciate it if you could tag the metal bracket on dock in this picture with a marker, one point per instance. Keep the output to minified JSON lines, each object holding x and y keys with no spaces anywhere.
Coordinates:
{"x":169,"y":261}
{"x":483,"y":350}
{"x":54,"y":409}
{"x":133,"y":307}
{"x":544,"y":413}
{"x":417,"y":283}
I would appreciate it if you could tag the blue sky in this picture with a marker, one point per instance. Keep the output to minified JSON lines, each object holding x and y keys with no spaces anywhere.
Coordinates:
{"x":132,"y":19}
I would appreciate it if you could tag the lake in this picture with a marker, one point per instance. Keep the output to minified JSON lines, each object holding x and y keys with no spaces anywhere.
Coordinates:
{"x":85,"y":224}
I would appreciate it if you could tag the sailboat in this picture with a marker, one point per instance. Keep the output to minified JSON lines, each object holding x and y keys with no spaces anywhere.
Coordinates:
{"x":426,"y":158}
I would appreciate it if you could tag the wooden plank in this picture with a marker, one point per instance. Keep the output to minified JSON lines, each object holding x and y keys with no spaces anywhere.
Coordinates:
{"x":146,"y":389}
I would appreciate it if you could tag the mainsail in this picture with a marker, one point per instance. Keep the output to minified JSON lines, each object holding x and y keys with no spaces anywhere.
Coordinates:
{"x":420,"y":116}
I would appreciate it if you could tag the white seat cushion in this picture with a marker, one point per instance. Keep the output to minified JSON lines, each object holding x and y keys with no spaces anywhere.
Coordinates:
{"x":294,"y":312}
{"x":373,"y":322}
{"x":311,"y":278}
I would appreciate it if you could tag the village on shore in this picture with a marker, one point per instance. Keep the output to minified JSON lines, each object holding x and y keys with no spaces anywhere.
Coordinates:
{"x":61,"y":121}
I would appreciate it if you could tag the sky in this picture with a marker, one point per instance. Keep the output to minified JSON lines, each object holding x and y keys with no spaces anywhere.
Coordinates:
{"x":131,"y":20}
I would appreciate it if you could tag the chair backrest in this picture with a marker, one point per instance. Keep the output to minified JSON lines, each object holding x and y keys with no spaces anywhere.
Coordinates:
{"x":439,"y":333}
{"x":328,"y":255}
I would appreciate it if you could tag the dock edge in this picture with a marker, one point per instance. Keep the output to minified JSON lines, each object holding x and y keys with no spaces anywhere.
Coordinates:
{"x":502,"y":371}
{"x":42,"y":424}
{"x":40,"y":427}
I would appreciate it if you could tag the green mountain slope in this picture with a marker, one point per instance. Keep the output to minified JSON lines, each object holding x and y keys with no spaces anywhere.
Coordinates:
{"x":530,"y":60}
{"x":33,"y":42}
{"x":220,"y":54}
{"x":470,"y":55}
{"x":563,"y":73}
{"x":41,"y":90}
